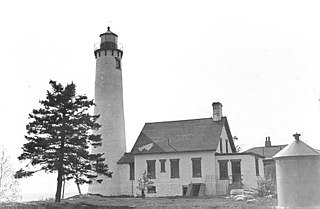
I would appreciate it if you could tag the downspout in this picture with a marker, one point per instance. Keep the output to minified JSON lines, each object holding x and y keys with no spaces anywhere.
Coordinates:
{"x":132,"y":188}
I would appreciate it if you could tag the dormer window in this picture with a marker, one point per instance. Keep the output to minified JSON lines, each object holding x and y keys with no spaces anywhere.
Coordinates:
{"x":227,"y":146}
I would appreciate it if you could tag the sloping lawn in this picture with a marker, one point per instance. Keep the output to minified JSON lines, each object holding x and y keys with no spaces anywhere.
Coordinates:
{"x":96,"y":201}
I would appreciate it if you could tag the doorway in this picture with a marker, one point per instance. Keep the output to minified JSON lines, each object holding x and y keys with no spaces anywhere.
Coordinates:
{"x":236,"y":171}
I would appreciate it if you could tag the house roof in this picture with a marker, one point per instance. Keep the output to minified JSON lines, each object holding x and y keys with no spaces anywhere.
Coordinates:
{"x":181,"y":136}
{"x":239,"y":153}
{"x":267,"y":152}
{"x":126,"y":159}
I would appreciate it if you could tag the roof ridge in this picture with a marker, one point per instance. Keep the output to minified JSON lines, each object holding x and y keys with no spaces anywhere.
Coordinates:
{"x":268,"y":147}
{"x":172,"y":121}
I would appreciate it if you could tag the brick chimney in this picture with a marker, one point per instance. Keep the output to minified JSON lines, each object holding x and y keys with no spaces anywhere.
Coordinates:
{"x":268,"y":142}
{"x":217,"y":111}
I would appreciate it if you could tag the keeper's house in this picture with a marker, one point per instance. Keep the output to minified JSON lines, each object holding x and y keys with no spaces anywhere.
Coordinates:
{"x":189,"y":158}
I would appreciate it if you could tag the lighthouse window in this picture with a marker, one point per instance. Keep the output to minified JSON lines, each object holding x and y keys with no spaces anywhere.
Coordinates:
{"x":118,"y":63}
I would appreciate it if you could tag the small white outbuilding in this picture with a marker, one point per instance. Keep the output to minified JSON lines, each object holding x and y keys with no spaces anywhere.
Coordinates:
{"x":298,"y":175}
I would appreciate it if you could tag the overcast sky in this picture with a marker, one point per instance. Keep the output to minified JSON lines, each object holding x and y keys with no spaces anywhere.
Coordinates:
{"x":260,"y":59}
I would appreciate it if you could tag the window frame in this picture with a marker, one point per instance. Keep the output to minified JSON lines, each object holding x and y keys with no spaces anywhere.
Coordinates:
{"x":176,"y":174}
{"x":152,"y":175}
{"x":195,"y":166}
{"x":152,"y":189}
{"x":256,"y":161}
{"x":227,"y":146}
{"x":118,"y":63}
{"x":225,"y":174}
{"x":131,"y":171}
{"x":162,"y":165}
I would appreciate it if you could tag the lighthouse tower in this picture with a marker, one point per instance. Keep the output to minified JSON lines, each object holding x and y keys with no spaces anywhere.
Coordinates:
{"x":109,"y":104}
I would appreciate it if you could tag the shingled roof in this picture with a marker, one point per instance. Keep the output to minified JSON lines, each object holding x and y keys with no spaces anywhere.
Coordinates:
{"x":181,"y":136}
{"x":126,"y":159}
{"x":267,"y":152}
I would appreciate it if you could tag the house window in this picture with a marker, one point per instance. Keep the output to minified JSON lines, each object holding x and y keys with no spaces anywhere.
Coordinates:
{"x":227,"y":146}
{"x":220,"y":145}
{"x":152,"y":189}
{"x":162,"y":166}
{"x":174,"y":164}
{"x":257,"y":166}
{"x":118,"y":63}
{"x":131,"y":171}
{"x":151,"y":168}
{"x":223,"y":169}
{"x":196,"y":167}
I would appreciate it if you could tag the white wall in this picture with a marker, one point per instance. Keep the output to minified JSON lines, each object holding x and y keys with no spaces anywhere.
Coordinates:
{"x":109,"y":105}
{"x":127,"y":186}
{"x":167,"y":186}
{"x":248,"y":171}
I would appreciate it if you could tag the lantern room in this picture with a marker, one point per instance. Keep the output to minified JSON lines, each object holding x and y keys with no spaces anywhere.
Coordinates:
{"x":109,"y":40}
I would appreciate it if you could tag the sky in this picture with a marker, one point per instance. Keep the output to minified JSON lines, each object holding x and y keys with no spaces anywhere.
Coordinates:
{"x":260,"y":59}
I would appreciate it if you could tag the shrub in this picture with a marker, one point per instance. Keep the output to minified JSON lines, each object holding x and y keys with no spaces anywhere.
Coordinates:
{"x":266,"y":187}
{"x":144,"y":183}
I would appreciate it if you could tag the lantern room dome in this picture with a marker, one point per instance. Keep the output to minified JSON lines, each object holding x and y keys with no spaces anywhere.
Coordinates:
{"x":109,"y":32}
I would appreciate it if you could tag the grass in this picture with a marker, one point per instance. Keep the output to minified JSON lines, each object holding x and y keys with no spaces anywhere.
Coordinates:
{"x":97,"y":201}
{"x":168,"y":202}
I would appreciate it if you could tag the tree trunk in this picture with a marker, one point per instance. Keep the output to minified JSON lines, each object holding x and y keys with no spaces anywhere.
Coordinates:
{"x":63,"y":187}
{"x":59,"y":186}
{"x":142,"y":194}
{"x":79,"y":190}
{"x":60,"y":166}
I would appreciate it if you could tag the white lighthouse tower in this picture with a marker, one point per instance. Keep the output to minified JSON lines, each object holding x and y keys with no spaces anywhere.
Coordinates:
{"x":109,"y":104}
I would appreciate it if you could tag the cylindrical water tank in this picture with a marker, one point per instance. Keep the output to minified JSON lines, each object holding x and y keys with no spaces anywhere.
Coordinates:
{"x":298,"y":175}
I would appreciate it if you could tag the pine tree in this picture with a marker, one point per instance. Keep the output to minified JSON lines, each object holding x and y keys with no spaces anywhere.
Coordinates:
{"x":59,"y":136}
